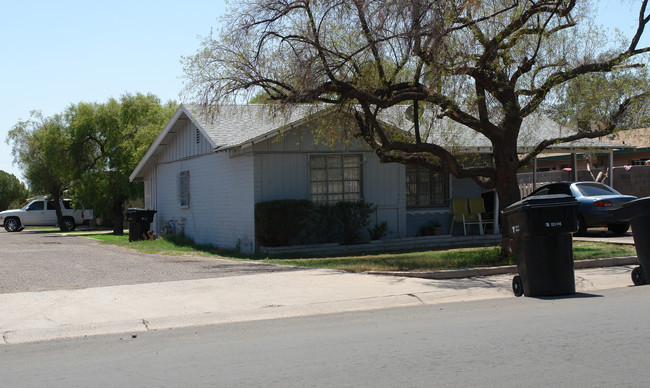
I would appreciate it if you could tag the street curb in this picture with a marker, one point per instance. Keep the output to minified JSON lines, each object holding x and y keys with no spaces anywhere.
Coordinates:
{"x":502,"y":270}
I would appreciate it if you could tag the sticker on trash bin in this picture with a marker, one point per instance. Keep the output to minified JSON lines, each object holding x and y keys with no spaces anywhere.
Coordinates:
{"x":554,"y":224}
{"x":515,"y":229}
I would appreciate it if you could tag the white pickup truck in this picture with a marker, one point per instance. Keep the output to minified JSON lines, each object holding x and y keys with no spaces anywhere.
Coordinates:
{"x":41,"y":212}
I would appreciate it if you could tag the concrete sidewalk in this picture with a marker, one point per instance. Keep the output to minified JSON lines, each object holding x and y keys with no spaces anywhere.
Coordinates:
{"x":38,"y":316}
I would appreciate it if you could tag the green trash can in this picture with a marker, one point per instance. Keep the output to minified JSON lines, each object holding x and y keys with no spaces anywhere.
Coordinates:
{"x":542,"y":228}
{"x":637,"y":213}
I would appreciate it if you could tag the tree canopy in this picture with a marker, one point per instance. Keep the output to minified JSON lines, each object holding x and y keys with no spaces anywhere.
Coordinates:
{"x":41,"y":147}
{"x":109,"y":140}
{"x":12,"y":191}
{"x":88,"y":151}
{"x":486,"y":65}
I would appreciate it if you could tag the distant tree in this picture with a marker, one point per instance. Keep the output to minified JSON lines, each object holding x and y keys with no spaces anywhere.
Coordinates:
{"x":12,"y":191}
{"x":41,"y":147}
{"x":109,"y":139}
{"x":485,"y":65}
{"x":589,"y":100}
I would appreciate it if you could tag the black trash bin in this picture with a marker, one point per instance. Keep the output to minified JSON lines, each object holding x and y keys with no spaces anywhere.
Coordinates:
{"x":542,"y":230}
{"x":637,"y":213}
{"x":139,"y":222}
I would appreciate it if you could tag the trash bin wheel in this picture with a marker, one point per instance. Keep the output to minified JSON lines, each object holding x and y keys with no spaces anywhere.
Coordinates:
{"x":638,"y":278}
{"x":517,"y":286}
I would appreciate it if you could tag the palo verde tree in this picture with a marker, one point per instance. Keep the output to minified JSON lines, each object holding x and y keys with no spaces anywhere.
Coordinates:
{"x":109,"y":140}
{"x":41,"y":147}
{"x":486,"y":65}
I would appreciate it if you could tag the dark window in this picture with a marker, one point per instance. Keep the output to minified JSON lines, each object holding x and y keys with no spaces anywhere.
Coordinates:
{"x":335,"y":178}
{"x":553,"y":189}
{"x":425,"y":188}
{"x":184,"y":188}
{"x":50,"y":205}
{"x":594,"y":189}
{"x":39,"y":205}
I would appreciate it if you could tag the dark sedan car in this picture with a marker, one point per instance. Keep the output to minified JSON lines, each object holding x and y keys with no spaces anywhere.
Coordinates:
{"x":596,"y":202}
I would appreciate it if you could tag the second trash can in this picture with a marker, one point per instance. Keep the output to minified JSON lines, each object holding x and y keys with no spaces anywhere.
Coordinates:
{"x":637,"y":213}
{"x":139,"y":222}
{"x":542,"y":228}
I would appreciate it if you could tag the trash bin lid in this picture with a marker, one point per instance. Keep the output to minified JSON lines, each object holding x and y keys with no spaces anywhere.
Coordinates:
{"x":629,"y":210}
{"x":541,"y":201}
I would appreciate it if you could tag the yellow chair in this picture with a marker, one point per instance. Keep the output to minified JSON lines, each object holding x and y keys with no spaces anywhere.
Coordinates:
{"x":462,"y":214}
{"x":477,"y":212}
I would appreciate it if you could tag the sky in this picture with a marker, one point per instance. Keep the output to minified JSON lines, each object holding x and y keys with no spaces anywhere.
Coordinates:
{"x":59,"y":53}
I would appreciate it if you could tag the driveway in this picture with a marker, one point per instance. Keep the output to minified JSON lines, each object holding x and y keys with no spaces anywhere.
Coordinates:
{"x":33,"y":261}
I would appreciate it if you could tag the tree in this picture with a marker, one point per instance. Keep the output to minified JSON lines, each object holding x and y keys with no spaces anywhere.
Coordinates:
{"x":109,"y":140}
{"x":12,"y":191}
{"x":41,"y":148}
{"x":486,"y":65}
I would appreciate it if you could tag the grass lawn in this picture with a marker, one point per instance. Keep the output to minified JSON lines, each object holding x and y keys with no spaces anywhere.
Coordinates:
{"x":411,"y":261}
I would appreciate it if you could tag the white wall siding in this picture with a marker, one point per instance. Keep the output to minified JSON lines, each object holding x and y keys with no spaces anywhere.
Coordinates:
{"x":221,"y":200}
{"x":282,"y":172}
{"x":184,"y":143}
{"x":384,"y":185}
{"x":465,"y":188}
{"x":283,"y":176}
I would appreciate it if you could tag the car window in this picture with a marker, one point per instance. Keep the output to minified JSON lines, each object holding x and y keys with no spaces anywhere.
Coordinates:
{"x":592,"y":190}
{"x":553,"y":189}
{"x":38,"y":205}
{"x":542,"y":191}
{"x":67,"y":204}
{"x":50,"y":205}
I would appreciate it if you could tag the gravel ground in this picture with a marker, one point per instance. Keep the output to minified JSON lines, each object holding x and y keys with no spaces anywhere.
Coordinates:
{"x":32,"y":261}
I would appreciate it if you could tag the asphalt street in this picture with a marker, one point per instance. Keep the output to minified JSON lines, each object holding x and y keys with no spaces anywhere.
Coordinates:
{"x":596,"y":339}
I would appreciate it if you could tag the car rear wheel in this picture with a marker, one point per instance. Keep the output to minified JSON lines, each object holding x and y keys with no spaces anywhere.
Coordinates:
{"x":618,"y":229}
{"x":582,"y":225}
{"x":13,"y":225}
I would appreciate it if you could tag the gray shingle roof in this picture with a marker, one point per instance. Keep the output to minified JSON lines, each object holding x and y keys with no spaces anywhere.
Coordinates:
{"x":234,"y":125}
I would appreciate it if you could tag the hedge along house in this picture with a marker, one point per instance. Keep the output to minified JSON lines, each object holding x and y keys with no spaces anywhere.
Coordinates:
{"x":203,"y":175}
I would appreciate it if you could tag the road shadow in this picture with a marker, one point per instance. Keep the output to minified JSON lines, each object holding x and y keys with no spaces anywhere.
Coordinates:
{"x":577,"y":295}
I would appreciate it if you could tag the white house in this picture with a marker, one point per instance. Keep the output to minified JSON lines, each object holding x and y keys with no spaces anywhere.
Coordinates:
{"x":205,"y":174}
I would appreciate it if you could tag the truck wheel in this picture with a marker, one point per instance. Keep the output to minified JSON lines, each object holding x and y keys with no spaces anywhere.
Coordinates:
{"x":69,"y":223}
{"x":13,"y":225}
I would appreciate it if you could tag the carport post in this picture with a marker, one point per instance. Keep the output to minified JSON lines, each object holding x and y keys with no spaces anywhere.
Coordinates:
{"x":574,"y":158}
{"x":534,"y":172}
{"x":611,"y":168}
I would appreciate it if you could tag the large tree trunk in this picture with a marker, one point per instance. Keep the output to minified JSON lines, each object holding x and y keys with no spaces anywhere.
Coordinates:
{"x":59,"y":215}
{"x":118,"y":218}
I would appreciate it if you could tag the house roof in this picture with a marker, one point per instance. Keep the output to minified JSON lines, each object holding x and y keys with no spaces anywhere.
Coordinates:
{"x":234,"y":126}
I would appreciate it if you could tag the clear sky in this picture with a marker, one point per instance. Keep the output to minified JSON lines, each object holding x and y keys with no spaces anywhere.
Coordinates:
{"x":58,"y":53}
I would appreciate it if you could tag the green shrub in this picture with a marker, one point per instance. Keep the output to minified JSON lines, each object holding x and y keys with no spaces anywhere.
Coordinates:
{"x":277,"y":223}
{"x":286,"y":222}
